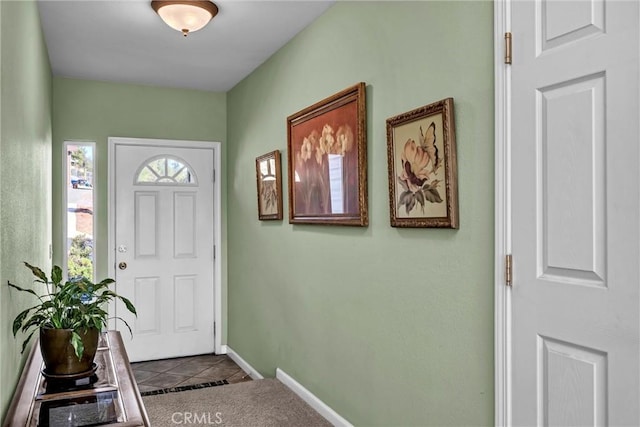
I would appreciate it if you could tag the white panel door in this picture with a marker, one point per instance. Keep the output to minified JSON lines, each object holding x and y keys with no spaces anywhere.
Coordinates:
{"x":164,"y":249}
{"x":575,"y":213}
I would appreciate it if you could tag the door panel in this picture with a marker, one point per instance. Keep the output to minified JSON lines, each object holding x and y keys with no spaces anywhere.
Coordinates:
{"x":571,"y":371}
{"x":575,"y":212}
{"x":572,"y":156}
{"x":184,"y":298}
{"x":147,"y":299}
{"x":184,"y":225}
{"x":146,"y":223}
{"x":564,"y":22}
{"x":164,"y":235}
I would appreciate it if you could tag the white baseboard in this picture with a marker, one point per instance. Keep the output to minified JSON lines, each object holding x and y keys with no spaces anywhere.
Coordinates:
{"x":223,"y":349}
{"x":322,"y":408}
{"x":253,"y":373}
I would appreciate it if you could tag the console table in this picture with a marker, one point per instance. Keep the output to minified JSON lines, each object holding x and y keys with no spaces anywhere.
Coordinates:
{"x":109,"y":397}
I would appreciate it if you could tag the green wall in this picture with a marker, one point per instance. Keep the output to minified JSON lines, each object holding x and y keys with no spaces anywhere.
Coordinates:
{"x":94,"y":111}
{"x":387,"y":326}
{"x":25,"y":171}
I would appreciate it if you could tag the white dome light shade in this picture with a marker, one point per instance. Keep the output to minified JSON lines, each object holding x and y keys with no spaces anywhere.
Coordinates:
{"x":185,"y":16}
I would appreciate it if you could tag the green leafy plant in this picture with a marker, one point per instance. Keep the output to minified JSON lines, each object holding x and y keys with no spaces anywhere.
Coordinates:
{"x":80,"y":263}
{"x":76,"y":304}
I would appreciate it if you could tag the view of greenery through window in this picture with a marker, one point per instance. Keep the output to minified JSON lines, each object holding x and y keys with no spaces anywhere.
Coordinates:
{"x":79,"y":218}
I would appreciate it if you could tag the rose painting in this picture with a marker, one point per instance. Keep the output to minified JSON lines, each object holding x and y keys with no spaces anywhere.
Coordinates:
{"x":326,"y":161}
{"x":422,"y":167}
{"x":419,"y":169}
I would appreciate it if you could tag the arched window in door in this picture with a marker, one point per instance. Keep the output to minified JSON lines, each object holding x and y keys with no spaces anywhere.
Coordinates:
{"x":165,"y":170}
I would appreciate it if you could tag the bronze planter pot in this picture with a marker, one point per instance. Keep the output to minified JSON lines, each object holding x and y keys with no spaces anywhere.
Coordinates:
{"x":58,"y":353}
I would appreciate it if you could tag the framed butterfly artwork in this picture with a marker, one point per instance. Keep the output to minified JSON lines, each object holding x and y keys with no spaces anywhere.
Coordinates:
{"x":423,"y":176}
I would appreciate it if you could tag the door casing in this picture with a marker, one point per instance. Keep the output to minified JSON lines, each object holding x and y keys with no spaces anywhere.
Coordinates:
{"x":502,"y":304}
{"x":219,"y":348}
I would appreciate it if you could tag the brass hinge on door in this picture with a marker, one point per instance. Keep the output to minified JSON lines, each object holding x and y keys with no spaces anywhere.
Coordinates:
{"x":507,"y":48}
{"x":508,"y":270}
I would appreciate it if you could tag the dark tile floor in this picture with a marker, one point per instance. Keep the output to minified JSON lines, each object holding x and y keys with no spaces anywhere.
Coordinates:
{"x":183,"y":371}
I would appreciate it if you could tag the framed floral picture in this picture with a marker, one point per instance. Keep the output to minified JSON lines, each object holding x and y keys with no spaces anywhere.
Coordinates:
{"x":269,"y":186}
{"x":421,"y":152}
{"x":327,"y":161}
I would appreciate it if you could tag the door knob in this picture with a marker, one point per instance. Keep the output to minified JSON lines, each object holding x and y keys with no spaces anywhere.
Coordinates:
{"x":122,"y":266}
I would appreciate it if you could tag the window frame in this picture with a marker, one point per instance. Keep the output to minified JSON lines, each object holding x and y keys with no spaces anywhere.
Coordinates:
{"x":65,"y":202}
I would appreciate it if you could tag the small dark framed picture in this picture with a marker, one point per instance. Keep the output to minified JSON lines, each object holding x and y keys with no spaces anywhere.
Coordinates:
{"x":269,"y":186}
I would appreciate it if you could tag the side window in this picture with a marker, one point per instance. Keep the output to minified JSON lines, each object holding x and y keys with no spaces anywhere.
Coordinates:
{"x":79,"y":219}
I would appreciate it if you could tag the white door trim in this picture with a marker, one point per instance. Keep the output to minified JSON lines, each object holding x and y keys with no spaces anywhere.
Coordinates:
{"x":502,"y":337}
{"x":217,"y":213}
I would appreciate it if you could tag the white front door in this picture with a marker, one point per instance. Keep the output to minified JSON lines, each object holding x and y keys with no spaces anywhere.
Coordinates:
{"x":575,"y":213}
{"x":164,"y":249}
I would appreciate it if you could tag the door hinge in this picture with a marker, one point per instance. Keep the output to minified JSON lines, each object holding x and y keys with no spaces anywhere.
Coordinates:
{"x":213,"y":175}
{"x":508,"y":270}
{"x":214,"y":252}
{"x":507,"y":48}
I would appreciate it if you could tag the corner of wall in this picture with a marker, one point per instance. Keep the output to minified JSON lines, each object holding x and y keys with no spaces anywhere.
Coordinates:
{"x":1,"y":312}
{"x":25,"y":138}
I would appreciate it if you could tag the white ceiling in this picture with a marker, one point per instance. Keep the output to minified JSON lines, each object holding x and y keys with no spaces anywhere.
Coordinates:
{"x":126,"y":41}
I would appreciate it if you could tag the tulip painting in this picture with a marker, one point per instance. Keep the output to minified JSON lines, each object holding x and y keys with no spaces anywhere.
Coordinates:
{"x":327,"y":161}
{"x":422,"y":167}
{"x":320,"y":168}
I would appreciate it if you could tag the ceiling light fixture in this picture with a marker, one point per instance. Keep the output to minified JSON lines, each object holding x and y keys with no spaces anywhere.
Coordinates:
{"x":185,"y":16}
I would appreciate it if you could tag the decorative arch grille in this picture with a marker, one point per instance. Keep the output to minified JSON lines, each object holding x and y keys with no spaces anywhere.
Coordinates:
{"x":166,"y":170}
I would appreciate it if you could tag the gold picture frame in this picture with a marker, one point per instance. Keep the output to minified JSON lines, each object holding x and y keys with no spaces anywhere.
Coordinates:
{"x":269,"y":182}
{"x":423,"y":175}
{"x":327,"y":161}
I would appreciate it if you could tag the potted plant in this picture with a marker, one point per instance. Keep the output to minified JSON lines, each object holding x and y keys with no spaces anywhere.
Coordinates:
{"x":69,"y":318}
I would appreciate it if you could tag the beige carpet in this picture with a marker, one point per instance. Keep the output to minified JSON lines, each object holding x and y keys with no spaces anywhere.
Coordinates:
{"x":261,"y":403}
